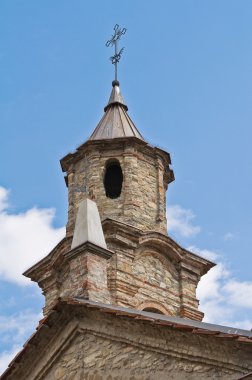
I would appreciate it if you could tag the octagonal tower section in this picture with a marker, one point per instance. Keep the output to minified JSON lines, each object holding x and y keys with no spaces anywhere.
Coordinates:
{"x":120,"y":171}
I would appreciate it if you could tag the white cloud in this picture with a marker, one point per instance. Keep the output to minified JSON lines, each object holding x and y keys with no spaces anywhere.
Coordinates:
{"x":25,"y":238}
{"x":7,"y":356}
{"x":14,"y":331}
{"x":206,"y":253}
{"x":239,"y":293}
{"x":228,"y":236}
{"x":223,"y":299}
{"x":211,"y":284}
{"x":179,"y":221}
{"x":3,"y":198}
{"x":15,"y":328}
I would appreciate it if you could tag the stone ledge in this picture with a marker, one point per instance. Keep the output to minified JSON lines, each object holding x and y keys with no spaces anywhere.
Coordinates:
{"x":90,"y":248}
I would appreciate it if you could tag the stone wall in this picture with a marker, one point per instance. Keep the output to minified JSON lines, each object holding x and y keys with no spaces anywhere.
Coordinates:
{"x":95,"y":346}
{"x":138,"y":270}
{"x":151,"y":269}
{"x":156,"y":271}
{"x":146,"y":175}
{"x":146,"y":278}
{"x":86,"y":275}
{"x":95,"y":358}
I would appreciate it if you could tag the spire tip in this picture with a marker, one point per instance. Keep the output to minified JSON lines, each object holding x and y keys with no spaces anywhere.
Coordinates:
{"x":115,"y":83}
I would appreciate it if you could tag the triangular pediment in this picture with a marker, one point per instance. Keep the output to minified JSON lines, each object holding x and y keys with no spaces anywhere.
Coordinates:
{"x":80,"y":339}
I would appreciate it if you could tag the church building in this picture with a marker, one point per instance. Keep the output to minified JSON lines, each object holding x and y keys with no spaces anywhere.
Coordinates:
{"x":120,"y":293}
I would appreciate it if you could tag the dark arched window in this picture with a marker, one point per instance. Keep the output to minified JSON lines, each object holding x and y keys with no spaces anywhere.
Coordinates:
{"x":113,"y":180}
{"x":153,"y":310}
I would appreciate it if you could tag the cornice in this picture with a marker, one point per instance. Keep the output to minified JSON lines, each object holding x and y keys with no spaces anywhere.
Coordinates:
{"x":110,"y":144}
{"x":141,"y":238}
{"x":90,"y":248}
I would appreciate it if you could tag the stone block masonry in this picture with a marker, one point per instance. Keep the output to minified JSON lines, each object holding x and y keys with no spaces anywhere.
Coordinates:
{"x":146,"y":175}
{"x":82,"y":343}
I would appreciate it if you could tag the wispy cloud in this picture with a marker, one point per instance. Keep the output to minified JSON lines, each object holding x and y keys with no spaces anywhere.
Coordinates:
{"x":24,"y":239}
{"x":228,"y":236}
{"x":223,"y":298}
{"x":3,"y":198}
{"x":14,"y":331}
{"x":206,"y":253}
{"x":180,"y":221}
{"x":15,"y":328}
{"x":7,"y":356}
{"x":239,"y":293}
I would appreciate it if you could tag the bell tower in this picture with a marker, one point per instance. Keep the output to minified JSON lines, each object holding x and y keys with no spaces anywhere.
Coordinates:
{"x":117,"y":249}
{"x":120,"y":171}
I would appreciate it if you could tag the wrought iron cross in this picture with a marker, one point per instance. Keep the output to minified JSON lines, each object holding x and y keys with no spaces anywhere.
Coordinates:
{"x":118,"y":32}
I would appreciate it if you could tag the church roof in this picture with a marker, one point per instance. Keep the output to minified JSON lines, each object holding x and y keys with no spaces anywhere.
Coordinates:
{"x":190,"y":325}
{"x":56,"y":317}
{"x":116,"y":122}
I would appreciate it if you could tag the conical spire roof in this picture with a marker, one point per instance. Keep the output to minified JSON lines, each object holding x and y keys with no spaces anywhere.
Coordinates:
{"x":116,"y":122}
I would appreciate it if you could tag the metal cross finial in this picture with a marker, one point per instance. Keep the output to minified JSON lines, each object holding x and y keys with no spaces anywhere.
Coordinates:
{"x":118,"y":32}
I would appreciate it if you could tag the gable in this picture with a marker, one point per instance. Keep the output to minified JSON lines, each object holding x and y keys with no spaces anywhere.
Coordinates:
{"x":82,"y":343}
{"x":98,"y":357}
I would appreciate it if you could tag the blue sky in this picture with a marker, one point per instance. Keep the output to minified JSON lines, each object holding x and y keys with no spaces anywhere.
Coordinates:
{"x":186,"y":77}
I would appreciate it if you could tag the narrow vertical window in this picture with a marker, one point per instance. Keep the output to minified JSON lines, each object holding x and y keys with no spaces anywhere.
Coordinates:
{"x":113,"y":180}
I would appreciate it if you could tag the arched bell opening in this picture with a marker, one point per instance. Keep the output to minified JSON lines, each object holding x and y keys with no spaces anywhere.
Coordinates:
{"x":113,"y":179}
